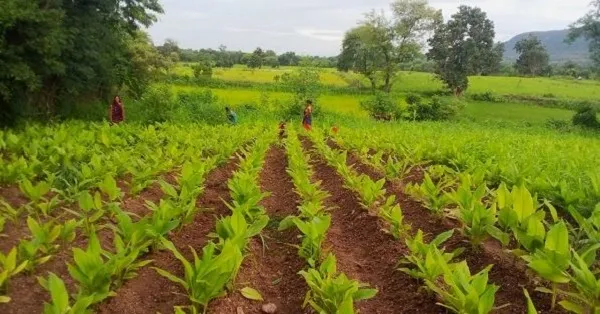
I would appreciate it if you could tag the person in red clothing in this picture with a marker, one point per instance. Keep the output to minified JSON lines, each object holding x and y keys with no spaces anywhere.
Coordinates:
{"x":117,"y":111}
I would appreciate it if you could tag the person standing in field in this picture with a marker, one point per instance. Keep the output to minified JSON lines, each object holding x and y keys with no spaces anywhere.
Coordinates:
{"x":231,"y":115}
{"x":117,"y":111}
{"x":307,"y":120}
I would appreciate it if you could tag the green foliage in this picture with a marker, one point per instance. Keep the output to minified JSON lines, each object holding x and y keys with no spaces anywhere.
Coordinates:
{"x":44,"y":240}
{"x":62,"y":52}
{"x":92,"y":271}
{"x":313,"y":232}
{"x":438,"y":109}
{"x":381,"y":107}
{"x":586,"y":117}
{"x":304,"y":85}
{"x":464,"y":46}
{"x":587,"y":27}
{"x":463,"y":292}
{"x":9,"y":267}
{"x":431,"y":193}
{"x":206,"y":278}
{"x":333,"y":293}
{"x":392,"y":214}
{"x":59,"y":297}
{"x":380,"y":44}
{"x":533,"y":58}
{"x":425,"y":260}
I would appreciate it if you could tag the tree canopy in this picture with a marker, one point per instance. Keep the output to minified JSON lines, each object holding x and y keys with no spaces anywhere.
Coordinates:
{"x":464,"y":46}
{"x":533,"y":57}
{"x":588,"y":27}
{"x":378,"y":46}
{"x":55,"y":52}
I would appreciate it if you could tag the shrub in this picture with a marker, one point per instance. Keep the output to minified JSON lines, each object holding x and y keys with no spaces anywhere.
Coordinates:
{"x":586,"y":116}
{"x":437,"y":109}
{"x":413,"y":99}
{"x":156,"y":105}
{"x":199,"y":107}
{"x":557,"y":124}
{"x":487,"y":96}
{"x":381,"y":107}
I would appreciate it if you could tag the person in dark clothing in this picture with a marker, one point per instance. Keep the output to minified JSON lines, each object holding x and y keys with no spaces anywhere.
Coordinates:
{"x":307,"y":119}
{"x":117,"y":111}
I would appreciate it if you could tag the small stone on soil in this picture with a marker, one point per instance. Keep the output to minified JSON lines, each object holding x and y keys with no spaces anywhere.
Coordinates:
{"x":269,"y":308}
{"x":239,"y":310}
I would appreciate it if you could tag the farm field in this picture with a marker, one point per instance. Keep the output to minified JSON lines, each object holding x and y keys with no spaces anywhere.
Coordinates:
{"x":192,"y":218}
{"x":350,"y":105}
{"x":406,"y":82}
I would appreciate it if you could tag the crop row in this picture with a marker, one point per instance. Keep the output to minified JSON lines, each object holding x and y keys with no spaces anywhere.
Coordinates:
{"x":330,"y":291}
{"x":562,"y":254}
{"x":96,"y":271}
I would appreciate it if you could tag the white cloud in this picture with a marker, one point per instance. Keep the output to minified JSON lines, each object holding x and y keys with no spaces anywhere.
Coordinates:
{"x":321,"y":34}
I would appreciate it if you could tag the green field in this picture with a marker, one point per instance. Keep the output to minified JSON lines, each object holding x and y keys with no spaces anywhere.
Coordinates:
{"x":426,"y":82}
{"x":346,"y":104}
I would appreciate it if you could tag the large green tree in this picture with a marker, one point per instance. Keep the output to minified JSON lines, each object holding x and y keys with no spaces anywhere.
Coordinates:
{"x":533,"y":58}
{"x":61,"y":52}
{"x":588,"y":27}
{"x":378,"y":46}
{"x":464,"y":46}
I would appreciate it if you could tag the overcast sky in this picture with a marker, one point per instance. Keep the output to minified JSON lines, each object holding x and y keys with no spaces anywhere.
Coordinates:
{"x":316,"y":27}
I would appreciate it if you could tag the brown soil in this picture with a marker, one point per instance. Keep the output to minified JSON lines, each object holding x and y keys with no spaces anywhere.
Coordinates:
{"x":272,"y":269}
{"x":149,"y":292}
{"x":13,"y":196}
{"x":367,"y":254}
{"x":508,"y":272}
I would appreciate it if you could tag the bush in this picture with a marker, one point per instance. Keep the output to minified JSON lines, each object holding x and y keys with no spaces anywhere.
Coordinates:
{"x":381,"y":107}
{"x":199,"y":107}
{"x":413,"y":99}
{"x":487,"y":96}
{"x":586,"y":117}
{"x":558,"y":124}
{"x":156,"y":105}
{"x":437,"y":109}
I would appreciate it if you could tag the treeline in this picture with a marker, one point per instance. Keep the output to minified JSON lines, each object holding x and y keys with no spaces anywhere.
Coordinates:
{"x":259,"y":58}
{"x":57,"y":54}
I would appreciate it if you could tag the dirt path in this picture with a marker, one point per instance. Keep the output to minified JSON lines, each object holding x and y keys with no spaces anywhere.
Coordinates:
{"x":509,"y":273}
{"x":150,"y":292}
{"x":367,"y":254}
{"x":273,"y":271}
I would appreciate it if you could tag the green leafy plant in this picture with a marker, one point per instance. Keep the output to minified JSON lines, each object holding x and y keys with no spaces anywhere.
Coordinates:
{"x":92,"y":270}
{"x":124,"y":261}
{"x":92,"y":210}
{"x":313,"y":231}
{"x":59,"y":297}
{"x":235,"y":229}
{"x":425,"y":260}
{"x":206,"y":278}
{"x":392,"y":214}
{"x":552,"y":261}
{"x":331,"y":292}
{"x":9,"y":267}
{"x":462,"y":292}
{"x":44,"y":240}
{"x":431,"y":194}
{"x":108,"y":186}
{"x":586,"y":299}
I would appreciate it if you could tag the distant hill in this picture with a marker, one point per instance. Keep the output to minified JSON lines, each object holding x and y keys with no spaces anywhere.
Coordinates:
{"x":554,"y":42}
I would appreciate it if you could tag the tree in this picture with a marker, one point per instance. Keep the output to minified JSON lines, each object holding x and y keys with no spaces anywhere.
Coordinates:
{"x":533,"y":57}
{"x":271,"y":61}
{"x":463,"y":46}
{"x":288,"y":59}
{"x":256,"y":59}
{"x":60,"y":52}
{"x":304,"y":83}
{"x":379,"y":45}
{"x":588,"y":27}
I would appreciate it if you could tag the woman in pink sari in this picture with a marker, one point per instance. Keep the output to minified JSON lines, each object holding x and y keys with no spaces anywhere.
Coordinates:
{"x":117,"y":111}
